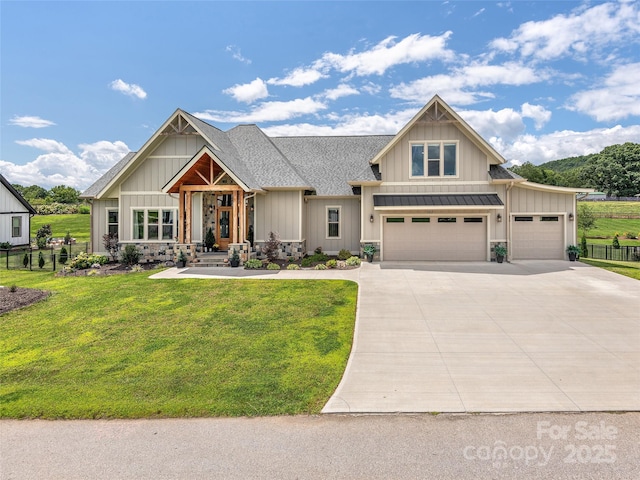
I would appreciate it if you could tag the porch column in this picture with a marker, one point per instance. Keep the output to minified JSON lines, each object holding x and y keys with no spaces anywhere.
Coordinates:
{"x":234,"y":215}
{"x":188,"y":216}
{"x":181,"y":216}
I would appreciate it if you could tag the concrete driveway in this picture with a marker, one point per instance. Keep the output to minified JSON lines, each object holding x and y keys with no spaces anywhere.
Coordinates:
{"x":485,"y":337}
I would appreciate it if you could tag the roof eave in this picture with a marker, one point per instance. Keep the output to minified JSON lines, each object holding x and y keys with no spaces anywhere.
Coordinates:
{"x":553,"y":188}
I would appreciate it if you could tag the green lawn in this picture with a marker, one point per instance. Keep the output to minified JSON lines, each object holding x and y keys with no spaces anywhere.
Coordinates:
{"x":76,"y":224}
{"x":608,"y":227}
{"x":125,"y":346}
{"x":628,"y":269}
{"x":613,"y":207}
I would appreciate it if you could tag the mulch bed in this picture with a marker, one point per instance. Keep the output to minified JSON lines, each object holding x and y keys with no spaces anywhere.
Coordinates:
{"x":21,"y":297}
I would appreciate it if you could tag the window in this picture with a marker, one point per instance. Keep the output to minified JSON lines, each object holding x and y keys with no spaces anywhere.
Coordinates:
{"x":441,"y":159}
{"x":112,"y":222}
{"x":16,"y":226}
{"x":395,"y":220}
{"x":147,"y":226}
{"x":333,"y":222}
{"x":447,"y":220}
{"x":472,"y":219}
{"x":548,"y":219}
{"x":420,"y":220}
{"x":523,"y":219}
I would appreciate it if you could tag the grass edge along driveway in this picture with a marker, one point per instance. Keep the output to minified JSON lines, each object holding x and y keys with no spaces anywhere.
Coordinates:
{"x":124,"y":346}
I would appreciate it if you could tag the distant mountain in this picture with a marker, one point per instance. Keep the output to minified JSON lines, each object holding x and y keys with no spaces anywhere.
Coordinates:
{"x":566,"y":164}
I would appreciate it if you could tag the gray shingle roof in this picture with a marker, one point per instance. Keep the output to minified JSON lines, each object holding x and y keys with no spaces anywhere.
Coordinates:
{"x":328,"y":163}
{"x":438,"y":200}
{"x":497,"y":172}
{"x":104,"y":180}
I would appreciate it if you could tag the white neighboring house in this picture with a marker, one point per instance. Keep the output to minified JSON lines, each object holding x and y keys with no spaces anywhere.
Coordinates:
{"x":15,"y":215}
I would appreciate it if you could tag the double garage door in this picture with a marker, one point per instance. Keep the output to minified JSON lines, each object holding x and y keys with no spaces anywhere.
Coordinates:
{"x":537,"y":237}
{"x":435,"y":238}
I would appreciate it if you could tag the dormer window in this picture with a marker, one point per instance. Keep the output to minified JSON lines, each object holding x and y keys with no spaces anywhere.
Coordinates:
{"x":441,"y":159}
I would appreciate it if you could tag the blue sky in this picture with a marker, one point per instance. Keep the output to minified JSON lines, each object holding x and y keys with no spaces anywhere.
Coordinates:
{"x":82,"y":83}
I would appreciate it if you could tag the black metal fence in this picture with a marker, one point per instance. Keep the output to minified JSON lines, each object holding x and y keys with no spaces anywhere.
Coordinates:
{"x":608,"y":252}
{"x":39,"y":259}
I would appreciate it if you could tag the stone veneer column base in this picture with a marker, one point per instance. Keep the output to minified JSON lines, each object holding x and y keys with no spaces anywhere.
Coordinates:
{"x":295,"y":250}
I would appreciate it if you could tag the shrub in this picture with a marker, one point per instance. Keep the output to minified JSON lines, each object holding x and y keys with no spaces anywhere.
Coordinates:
{"x":318,"y":250}
{"x":84,"y":260}
{"x":64,"y":255}
{"x":306,"y":262}
{"x":67,"y":238}
{"x":353,"y":261}
{"x":253,"y":264}
{"x":273,"y":266}
{"x":616,"y":243}
{"x":137,"y":269}
{"x":42,"y":235}
{"x":25,"y":260}
{"x":271,"y":247}
{"x":110,"y":243}
{"x":84,"y":209}
{"x":293,"y":266}
{"x":13,"y":289}
{"x":41,"y":242}
{"x":209,"y":238}
{"x":130,"y":255}
{"x":40,"y":260}
{"x":332,"y":263}
{"x":5,"y":246}
{"x":344,"y":254}
{"x":92,"y":272}
{"x":584,"y":251}
{"x":630,"y":236}
{"x":321,"y":266}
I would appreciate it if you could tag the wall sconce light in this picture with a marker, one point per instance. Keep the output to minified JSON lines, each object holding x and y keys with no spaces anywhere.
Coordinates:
{"x":371,"y":218}
{"x":571,"y":217}
{"x":499,"y":217}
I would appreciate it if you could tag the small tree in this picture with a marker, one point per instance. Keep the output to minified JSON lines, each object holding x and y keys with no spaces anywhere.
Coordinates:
{"x":209,"y":239}
{"x":67,"y":238}
{"x":43,"y":235}
{"x":110,"y":242}
{"x":616,"y":242}
{"x":271,"y":247}
{"x":64,"y":255}
{"x":586,"y":218}
{"x":25,"y":260}
{"x":130,"y":255}
{"x":40,"y":260}
{"x":584,"y":251}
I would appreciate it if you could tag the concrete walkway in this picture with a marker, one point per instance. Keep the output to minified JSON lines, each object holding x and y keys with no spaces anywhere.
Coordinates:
{"x":484,"y":337}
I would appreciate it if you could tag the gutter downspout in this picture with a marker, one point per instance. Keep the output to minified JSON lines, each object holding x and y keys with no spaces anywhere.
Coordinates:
{"x":508,"y":219}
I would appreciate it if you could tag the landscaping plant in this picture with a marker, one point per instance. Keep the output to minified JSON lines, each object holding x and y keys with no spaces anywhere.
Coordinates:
{"x":584,"y":251}
{"x":110,"y":243}
{"x":616,"y":242}
{"x":344,"y":254}
{"x":64,"y":255}
{"x":40,"y":260}
{"x":130,"y":255}
{"x":271,"y":247}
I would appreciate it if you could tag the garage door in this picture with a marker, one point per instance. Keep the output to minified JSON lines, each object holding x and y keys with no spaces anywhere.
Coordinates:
{"x":537,"y":237}
{"x":435,"y":238}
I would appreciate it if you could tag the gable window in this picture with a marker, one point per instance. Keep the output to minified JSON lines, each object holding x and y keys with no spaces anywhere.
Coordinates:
{"x":152,"y":223}
{"x":333,"y":222}
{"x":16,"y":226}
{"x":112,"y":222}
{"x":441,"y":159}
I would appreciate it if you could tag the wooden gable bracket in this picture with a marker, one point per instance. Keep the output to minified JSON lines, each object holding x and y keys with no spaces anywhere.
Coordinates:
{"x":436,"y":117}
{"x":180,"y":128}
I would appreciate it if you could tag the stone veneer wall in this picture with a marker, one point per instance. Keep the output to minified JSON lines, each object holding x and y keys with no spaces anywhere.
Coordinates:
{"x":157,"y":252}
{"x":295,"y":250}
{"x":241,"y":248}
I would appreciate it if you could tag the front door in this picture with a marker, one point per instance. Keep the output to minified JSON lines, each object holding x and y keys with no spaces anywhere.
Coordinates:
{"x":223,"y":221}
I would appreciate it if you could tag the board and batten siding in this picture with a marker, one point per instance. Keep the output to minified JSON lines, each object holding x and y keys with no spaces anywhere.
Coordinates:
{"x":281,"y":212}
{"x":99,"y":223}
{"x":472,"y":162}
{"x":349,"y":225}
{"x":526,"y":200}
{"x":11,"y":207}
{"x":163,"y":163}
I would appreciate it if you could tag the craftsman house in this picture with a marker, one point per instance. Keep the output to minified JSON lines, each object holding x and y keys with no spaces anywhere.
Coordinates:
{"x":15,"y":215}
{"x":434,"y":191}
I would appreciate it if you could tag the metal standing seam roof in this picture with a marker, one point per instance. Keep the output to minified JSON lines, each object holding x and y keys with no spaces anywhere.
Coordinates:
{"x":438,"y":200}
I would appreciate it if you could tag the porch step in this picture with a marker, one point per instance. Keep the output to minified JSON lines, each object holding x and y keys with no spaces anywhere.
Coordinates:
{"x":212,"y":259}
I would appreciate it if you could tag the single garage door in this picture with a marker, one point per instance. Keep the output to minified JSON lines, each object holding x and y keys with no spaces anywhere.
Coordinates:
{"x":537,"y":237}
{"x":435,"y":238}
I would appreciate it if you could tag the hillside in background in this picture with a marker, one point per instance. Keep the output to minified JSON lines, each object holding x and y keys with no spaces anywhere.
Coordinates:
{"x":615,"y":171}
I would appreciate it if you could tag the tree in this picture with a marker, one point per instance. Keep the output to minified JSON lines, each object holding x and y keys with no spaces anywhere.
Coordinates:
{"x":538,"y":174}
{"x":271,"y":247}
{"x":586,"y":218}
{"x":64,"y":194}
{"x":615,"y":170}
{"x":33,"y":193}
{"x":43,"y":235}
{"x":110,"y":243}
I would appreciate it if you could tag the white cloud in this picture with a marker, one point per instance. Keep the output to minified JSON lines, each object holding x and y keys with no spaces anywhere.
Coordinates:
{"x":30,"y":122}
{"x":479,"y":12}
{"x":237,"y":54}
{"x":371,"y":88}
{"x":563,"y":144}
{"x":462,"y":85}
{"x":618,"y":98}
{"x":60,"y":166}
{"x":248,"y":92}
{"x":299,"y":78}
{"x":130,"y":89}
{"x":537,"y":113}
{"x":388,"y":53}
{"x":583,"y":31}
{"x":342,"y":90}
{"x":266,"y":112}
